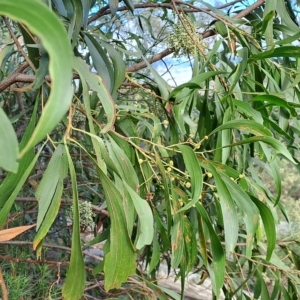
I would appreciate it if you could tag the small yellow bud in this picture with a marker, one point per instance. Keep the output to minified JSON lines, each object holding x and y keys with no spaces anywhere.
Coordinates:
{"x":188,"y":184}
{"x":209,"y":175}
{"x":141,"y":161}
{"x":169,"y":169}
{"x":241,"y":176}
{"x":171,"y":163}
{"x":206,"y":137}
{"x":165,"y":122}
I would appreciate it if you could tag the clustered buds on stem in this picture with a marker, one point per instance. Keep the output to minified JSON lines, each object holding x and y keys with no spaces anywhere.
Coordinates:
{"x":185,"y":38}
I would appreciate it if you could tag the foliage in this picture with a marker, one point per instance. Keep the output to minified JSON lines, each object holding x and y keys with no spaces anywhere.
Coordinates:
{"x":173,"y":172}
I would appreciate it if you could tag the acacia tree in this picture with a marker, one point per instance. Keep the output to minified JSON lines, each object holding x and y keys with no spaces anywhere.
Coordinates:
{"x":175,"y":168}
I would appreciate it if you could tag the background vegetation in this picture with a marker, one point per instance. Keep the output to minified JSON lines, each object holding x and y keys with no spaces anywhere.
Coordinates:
{"x":100,"y":134}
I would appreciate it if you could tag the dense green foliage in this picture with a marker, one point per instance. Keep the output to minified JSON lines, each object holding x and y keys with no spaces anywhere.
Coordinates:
{"x":173,"y":171}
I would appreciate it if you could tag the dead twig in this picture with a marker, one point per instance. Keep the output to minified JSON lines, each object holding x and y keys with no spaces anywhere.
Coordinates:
{"x":64,"y":201}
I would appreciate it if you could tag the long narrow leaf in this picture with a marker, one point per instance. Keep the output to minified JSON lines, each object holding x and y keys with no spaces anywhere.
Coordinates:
{"x":195,"y":173}
{"x":96,"y":83}
{"x":9,"y":150}
{"x":228,"y":210}
{"x":43,"y":22}
{"x":75,"y":280}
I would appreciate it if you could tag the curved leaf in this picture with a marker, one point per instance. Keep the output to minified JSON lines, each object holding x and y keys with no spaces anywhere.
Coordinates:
{"x":46,"y":25}
{"x":277,"y":145}
{"x":269,"y":225}
{"x":245,"y":125}
{"x":195,"y":173}
{"x":145,"y":225}
{"x":96,"y":84}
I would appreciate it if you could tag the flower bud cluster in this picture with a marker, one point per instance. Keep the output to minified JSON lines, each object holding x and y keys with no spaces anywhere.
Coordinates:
{"x":185,"y":38}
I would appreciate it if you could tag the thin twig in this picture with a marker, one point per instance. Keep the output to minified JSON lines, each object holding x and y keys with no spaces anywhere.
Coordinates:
{"x":106,"y":11}
{"x":64,"y":201}
{"x":206,"y":34}
{"x":18,"y":77}
{"x":18,"y":44}
{"x":64,"y":248}
{"x":37,"y":262}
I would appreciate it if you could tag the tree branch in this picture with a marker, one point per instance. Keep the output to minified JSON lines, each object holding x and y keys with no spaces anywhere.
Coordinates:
{"x":64,"y":248}
{"x":95,"y":208}
{"x":106,"y":11}
{"x":206,"y":34}
{"x":17,"y":75}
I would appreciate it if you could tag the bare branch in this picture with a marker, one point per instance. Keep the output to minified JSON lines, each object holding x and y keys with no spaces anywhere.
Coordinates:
{"x":106,"y":11}
{"x":18,"y":44}
{"x":249,"y":9}
{"x":206,"y":34}
{"x":65,"y":201}
{"x":64,"y":248}
{"x":13,"y":77}
{"x":151,"y":60}
{"x":17,"y":75}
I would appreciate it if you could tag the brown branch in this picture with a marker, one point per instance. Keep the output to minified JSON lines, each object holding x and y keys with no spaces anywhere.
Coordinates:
{"x":106,"y":11}
{"x":36,"y":262}
{"x":18,"y":44}
{"x":151,"y":60}
{"x":64,"y":201}
{"x":206,"y":34}
{"x":64,"y":248}
{"x":17,"y":75}
{"x":249,"y":9}
{"x":12,"y":78}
